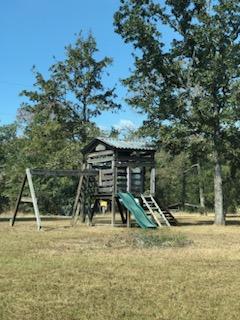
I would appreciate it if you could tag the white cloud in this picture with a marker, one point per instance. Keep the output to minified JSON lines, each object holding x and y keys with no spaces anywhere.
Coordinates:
{"x":103,"y":128}
{"x":125,"y":124}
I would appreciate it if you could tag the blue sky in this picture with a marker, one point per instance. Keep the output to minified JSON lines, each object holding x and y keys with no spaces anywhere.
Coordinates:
{"x":33,"y":31}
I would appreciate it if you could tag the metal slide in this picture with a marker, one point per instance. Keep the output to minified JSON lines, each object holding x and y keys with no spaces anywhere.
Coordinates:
{"x":139,"y":214}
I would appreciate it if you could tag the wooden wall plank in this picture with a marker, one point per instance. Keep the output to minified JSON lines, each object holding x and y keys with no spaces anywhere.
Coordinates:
{"x":100,"y":154}
{"x":105,"y":189}
{"x":134,"y":159}
{"x":107,"y":171}
{"x":107,"y":183}
{"x":62,"y":173}
{"x":134,"y":164}
{"x":100,"y":160}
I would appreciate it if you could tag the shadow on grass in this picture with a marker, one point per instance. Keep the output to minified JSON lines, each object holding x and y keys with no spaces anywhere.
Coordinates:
{"x":55,"y":228}
{"x":230,"y":220}
{"x":193,"y":222}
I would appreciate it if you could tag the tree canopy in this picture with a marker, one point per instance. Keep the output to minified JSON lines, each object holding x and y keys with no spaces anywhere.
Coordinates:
{"x":75,"y":93}
{"x":190,"y":88}
{"x":57,"y":120}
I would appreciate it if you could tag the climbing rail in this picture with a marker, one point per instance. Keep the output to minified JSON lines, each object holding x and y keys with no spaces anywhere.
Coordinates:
{"x":162,"y":217}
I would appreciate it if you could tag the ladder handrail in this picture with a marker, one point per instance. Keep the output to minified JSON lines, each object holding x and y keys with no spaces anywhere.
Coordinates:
{"x":160,"y":211}
{"x":157,"y":208}
{"x":151,"y":211}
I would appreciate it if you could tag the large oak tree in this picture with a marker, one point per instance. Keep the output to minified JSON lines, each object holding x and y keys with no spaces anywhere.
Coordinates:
{"x":190,"y":87}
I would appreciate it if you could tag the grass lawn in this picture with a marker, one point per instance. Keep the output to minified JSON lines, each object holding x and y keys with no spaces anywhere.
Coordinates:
{"x":111,"y":273}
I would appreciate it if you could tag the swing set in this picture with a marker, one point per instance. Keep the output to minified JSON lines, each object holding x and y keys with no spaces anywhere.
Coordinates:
{"x":28,"y":179}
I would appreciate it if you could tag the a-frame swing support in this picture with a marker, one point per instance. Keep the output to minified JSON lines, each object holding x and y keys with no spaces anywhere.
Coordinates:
{"x":27,"y":178}
{"x":33,"y":199}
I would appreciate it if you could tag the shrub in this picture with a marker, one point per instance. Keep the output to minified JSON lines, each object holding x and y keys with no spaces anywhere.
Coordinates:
{"x":160,"y":239}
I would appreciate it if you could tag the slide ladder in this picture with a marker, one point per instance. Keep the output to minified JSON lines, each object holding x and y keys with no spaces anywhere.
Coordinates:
{"x":161,"y":217}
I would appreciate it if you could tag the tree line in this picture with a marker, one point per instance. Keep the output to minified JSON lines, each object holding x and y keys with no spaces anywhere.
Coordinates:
{"x":188,"y":90}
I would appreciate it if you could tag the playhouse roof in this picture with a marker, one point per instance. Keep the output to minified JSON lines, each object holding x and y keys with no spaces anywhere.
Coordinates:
{"x":120,"y":144}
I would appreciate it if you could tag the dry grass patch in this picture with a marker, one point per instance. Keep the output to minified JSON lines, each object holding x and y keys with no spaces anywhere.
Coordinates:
{"x":148,"y":239}
{"x":188,"y":273}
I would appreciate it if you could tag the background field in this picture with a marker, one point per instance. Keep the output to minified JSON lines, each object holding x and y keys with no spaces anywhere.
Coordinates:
{"x":103,"y":273}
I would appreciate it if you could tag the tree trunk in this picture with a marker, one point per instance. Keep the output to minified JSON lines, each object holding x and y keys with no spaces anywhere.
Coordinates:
{"x":218,"y":194}
{"x":183,"y":191}
{"x":201,"y":190}
{"x":84,"y":134}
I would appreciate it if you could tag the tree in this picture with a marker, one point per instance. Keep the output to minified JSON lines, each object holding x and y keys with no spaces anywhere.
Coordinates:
{"x":81,"y":76}
{"x":8,"y":141}
{"x":190,"y":88}
{"x":50,"y":135}
{"x":58,"y":115}
{"x":74,"y":94}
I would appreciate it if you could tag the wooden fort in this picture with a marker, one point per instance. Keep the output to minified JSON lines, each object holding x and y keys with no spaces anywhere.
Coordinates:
{"x":110,"y":167}
{"x":122,"y":166}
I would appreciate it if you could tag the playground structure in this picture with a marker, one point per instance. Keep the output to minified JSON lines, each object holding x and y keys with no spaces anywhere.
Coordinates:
{"x":119,"y":172}
{"x":28,"y":179}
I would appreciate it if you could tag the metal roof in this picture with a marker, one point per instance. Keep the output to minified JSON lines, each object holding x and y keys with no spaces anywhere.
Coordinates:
{"x":122,"y":144}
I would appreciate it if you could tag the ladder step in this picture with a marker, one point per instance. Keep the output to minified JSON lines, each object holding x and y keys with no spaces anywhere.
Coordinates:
{"x":153,"y":208}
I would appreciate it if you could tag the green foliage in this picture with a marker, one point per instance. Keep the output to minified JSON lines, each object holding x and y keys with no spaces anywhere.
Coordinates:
{"x":7,"y":152}
{"x":169,"y":177}
{"x":81,"y":76}
{"x":163,"y":239}
{"x":73,"y":95}
{"x":149,"y":239}
{"x":56,"y":121}
{"x":190,"y":88}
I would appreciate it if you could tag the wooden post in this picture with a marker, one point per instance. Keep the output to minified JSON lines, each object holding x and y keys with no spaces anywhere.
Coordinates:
{"x":128,"y":219}
{"x":113,"y":211}
{"x":100,"y":177}
{"x":153,"y":181}
{"x":124,"y":219}
{"x":18,"y":201}
{"x":128,"y":190}
{"x":77,"y":205}
{"x":143,"y":173}
{"x":128,"y":179}
{"x":34,"y":199}
{"x":113,"y":208}
{"x":85,"y":199}
{"x":93,"y":210}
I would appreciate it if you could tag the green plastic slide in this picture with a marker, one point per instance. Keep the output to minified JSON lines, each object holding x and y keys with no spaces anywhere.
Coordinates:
{"x":139,"y":214}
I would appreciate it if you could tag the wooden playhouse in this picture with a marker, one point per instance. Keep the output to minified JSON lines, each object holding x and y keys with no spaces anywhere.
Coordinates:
{"x":122,"y":166}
